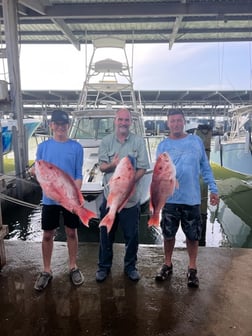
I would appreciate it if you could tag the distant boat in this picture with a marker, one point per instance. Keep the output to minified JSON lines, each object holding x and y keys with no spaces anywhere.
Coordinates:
{"x":233,"y":150}
{"x":159,"y":126}
{"x":192,"y":123}
{"x":156,"y":127}
{"x":6,"y":128}
{"x":108,"y":86}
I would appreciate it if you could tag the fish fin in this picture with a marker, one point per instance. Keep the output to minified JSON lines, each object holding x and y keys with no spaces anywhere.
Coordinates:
{"x":85,"y":215}
{"x":108,"y":221}
{"x":132,"y":161}
{"x":81,"y":198}
{"x":151,"y":208}
{"x":154,"y":220}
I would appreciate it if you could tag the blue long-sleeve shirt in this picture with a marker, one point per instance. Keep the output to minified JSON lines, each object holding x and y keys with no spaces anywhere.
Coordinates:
{"x":188,"y":155}
{"x":67,"y":156}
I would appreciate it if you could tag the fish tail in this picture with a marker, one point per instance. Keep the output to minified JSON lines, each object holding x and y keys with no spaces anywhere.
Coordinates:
{"x":151,"y":207}
{"x":154,"y":220}
{"x":107,"y":221}
{"x":85,"y":215}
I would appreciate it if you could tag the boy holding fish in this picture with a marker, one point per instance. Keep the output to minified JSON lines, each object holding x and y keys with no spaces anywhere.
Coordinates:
{"x":62,"y":182}
{"x":123,"y":160}
{"x":182,"y":205}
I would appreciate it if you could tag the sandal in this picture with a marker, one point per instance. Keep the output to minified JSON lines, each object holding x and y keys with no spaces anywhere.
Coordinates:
{"x":42,"y":281}
{"x":76,"y":276}
{"x":164,"y":272}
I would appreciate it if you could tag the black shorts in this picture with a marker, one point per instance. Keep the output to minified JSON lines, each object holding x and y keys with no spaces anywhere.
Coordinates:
{"x":50,"y":217}
{"x":188,"y":215}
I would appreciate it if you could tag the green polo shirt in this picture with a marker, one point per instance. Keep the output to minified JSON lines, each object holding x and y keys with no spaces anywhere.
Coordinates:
{"x":133,"y":146}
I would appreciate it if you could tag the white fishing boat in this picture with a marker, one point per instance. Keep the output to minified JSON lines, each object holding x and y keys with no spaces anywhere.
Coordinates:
{"x":233,"y":150}
{"x":107,"y":87}
{"x":7,"y":125}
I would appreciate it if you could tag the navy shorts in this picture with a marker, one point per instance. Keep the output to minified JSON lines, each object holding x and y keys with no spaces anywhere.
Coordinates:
{"x":51,"y":215}
{"x":188,"y":215}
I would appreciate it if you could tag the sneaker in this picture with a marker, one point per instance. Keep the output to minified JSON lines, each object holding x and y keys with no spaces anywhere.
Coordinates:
{"x":42,"y":281}
{"x":101,"y":274}
{"x":76,"y":276}
{"x":133,"y":275}
{"x":192,"y":279}
{"x":164,"y":273}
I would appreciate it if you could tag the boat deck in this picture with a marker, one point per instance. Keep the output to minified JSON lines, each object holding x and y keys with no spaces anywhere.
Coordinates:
{"x":221,"y":306}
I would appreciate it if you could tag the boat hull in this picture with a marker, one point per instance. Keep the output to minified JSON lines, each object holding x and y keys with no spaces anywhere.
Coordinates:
{"x":6,"y":128}
{"x":233,"y":156}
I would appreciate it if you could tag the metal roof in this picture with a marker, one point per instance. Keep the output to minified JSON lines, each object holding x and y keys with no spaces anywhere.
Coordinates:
{"x":139,"y":21}
{"x":154,"y":102}
{"x":79,"y":22}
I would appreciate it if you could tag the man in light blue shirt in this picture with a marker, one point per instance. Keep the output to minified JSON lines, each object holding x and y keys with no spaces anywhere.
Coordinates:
{"x":188,"y":154}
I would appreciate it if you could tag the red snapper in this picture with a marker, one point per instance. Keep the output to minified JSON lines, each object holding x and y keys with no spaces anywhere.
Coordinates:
{"x":121,"y":187}
{"x":162,"y":186}
{"x":60,"y":187}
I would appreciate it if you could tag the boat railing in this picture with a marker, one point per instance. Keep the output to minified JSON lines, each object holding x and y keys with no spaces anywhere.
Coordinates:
{"x":240,"y":117}
{"x":151,"y":145}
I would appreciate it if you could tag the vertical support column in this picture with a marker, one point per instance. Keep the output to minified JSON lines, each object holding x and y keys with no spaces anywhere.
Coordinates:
{"x":205,"y":133}
{"x":3,"y":230}
{"x":11,"y":34}
{"x":1,"y":152}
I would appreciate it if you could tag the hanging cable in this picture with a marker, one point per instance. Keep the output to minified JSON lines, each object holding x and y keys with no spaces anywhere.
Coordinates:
{"x":17,"y":201}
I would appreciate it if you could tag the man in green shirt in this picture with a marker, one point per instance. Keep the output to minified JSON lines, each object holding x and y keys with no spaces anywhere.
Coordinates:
{"x":113,"y":148}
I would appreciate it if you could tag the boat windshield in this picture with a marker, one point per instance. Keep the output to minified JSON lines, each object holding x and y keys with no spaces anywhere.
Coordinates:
{"x":97,"y":128}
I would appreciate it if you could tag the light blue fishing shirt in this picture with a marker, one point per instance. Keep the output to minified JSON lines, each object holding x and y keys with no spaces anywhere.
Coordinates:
{"x":67,"y":156}
{"x":133,"y":146}
{"x":189,"y":156}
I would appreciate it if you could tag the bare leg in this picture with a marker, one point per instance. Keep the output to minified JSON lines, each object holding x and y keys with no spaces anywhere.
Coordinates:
{"x":192,"y":248}
{"x":47,"y":248}
{"x":168,"y":249}
{"x":72,"y":243}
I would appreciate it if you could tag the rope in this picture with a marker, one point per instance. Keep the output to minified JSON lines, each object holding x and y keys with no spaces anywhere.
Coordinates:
{"x":17,"y":201}
{"x":29,"y":180}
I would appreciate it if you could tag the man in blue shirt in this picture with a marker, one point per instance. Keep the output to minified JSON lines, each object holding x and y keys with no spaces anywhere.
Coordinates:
{"x":188,"y":154}
{"x":66,"y":154}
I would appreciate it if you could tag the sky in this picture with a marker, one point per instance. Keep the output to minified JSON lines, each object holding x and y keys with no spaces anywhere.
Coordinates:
{"x":202,"y":66}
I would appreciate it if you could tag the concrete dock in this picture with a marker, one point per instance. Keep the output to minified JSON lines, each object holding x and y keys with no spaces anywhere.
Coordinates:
{"x":221,"y":306}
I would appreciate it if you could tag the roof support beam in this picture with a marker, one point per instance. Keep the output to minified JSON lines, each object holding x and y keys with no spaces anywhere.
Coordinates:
{"x":34,"y":5}
{"x":67,"y":32}
{"x":176,"y":28}
{"x":149,"y":9}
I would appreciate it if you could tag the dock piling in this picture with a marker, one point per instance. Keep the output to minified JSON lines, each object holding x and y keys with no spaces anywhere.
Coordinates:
{"x":205,"y":133}
{"x":3,"y":230}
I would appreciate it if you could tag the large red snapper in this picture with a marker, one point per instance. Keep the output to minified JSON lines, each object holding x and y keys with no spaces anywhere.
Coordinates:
{"x":60,"y":187}
{"x":121,"y":187}
{"x":162,"y":186}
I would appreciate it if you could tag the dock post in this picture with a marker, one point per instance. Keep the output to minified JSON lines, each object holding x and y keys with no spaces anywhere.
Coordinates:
{"x":3,"y":231}
{"x":1,"y":152}
{"x":205,"y":133}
